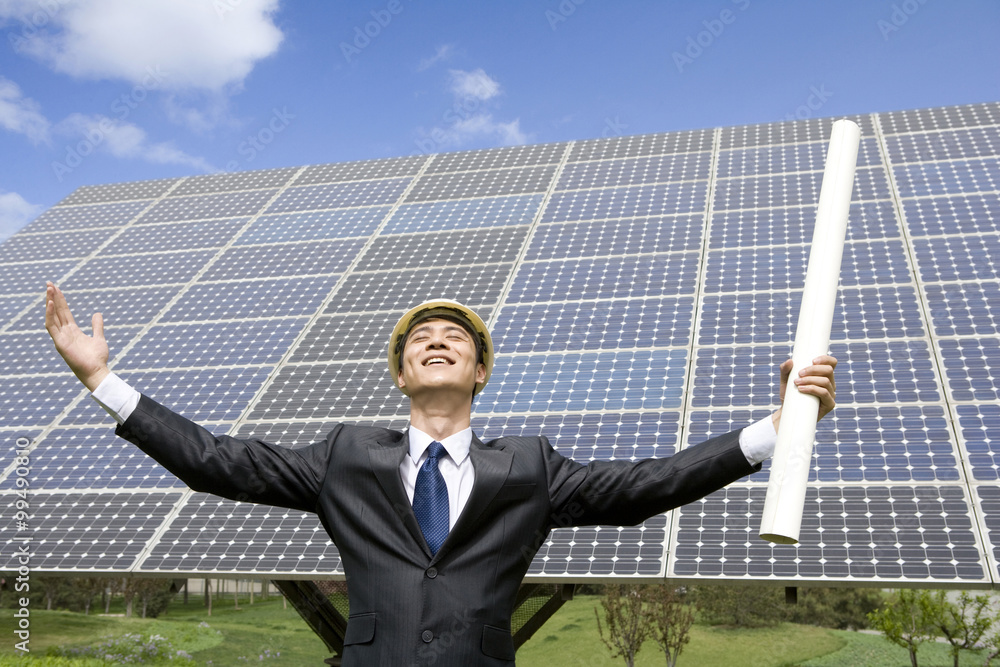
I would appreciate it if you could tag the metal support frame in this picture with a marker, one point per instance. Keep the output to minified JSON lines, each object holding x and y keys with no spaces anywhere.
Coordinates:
{"x":317,"y":608}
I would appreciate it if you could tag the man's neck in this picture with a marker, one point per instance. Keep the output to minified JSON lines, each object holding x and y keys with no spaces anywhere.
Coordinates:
{"x":439,"y":417}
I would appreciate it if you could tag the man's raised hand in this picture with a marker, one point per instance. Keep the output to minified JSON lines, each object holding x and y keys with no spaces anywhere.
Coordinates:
{"x":816,"y":380}
{"x":86,"y":356}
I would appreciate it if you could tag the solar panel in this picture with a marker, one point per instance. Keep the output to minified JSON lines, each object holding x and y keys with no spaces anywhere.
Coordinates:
{"x":641,"y":291}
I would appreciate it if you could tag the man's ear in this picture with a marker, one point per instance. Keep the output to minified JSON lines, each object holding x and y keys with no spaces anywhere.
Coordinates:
{"x":400,"y":382}
{"x":480,"y":373}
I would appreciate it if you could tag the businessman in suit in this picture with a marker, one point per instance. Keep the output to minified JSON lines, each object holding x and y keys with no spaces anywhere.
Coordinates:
{"x":435,"y":528}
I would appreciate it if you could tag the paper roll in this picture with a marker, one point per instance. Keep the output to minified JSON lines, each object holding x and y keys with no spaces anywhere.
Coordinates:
{"x":786,"y":489}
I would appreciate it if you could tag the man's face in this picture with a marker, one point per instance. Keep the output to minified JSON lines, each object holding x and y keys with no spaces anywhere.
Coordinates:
{"x":439,"y":355}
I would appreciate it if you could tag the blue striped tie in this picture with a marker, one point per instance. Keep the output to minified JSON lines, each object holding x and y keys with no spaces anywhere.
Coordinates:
{"x":430,"y":499}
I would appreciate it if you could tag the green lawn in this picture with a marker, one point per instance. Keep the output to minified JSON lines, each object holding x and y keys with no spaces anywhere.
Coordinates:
{"x":568,"y":639}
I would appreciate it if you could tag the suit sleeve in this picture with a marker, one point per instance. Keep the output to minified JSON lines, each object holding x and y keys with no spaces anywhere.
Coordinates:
{"x":243,"y":470}
{"x":624,"y":493}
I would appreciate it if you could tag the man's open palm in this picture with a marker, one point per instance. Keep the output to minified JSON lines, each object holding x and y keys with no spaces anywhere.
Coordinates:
{"x":87,"y":356}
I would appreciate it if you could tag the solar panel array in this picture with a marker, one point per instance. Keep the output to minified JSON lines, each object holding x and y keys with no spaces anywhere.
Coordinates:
{"x":641,"y":291}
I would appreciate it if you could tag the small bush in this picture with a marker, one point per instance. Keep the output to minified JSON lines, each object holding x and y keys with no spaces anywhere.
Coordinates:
{"x":128,"y":649}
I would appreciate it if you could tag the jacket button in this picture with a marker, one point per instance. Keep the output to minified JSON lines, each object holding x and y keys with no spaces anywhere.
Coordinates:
{"x":427,"y":636}
{"x":432,"y":572}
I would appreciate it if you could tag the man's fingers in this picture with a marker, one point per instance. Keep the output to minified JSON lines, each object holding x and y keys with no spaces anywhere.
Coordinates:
{"x":97,"y":321}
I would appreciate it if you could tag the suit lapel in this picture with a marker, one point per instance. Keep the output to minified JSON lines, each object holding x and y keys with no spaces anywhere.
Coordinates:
{"x":492,"y":465}
{"x":385,"y":461}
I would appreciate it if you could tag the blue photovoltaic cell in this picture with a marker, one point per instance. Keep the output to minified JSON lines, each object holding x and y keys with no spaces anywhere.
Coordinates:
{"x":789,"y":132}
{"x":176,"y":236}
{"x":778,"y":226}
{"x":970,"y":366}
{"x":12,"y":443}
{"x":464,"y":185}
{"x":313,"y":225}
{"x":604,"y":550}
{"x":361,"y":170}
{"x":886,"y":532}
{"x":92,"y":194}
{"x":989,"y":509}
{"x":979,"y":428}
{"x":213,"y":344}
{"x":65,"y":218}
{"x":759,"y":161}
{"x":331,"y":391}
{"x":619,"y":380}
{"x":964,"y":309}
{"x":943,"y":145}
{"x":961,"y":214}
{"x":276,"y":297}
{"x":339,"y":195}
{"x":627,"y":236}
{"x":638,"y":200}
{"x":918,"y":120}
{"x":240,"y":180}
{"x":119,"y":307}
{"x":86,"y":531}
{"x":133,"y":270}
{"x":464,"y":214}
{"x":793,"y":189}
{"x":771,"y":317}
{"x":496,"y":158}
{"x":870,"y":372}
{"x":10,"y":307}
{"x":31,"y":277}
{"x":647,"y":144}
{"x":400,"y":290}
{"x":634,"y":171}
{"x":784,"y":268}
{"x":591,"y":436}
{"x":33,"y":352}
{"x":617,"y":277}
{"x":283,"y":259}
{"x":445,"y":249}
{"x":93,"y":458}
{"x":224,"y":205}
{"x":28,"y":247}
{"x":590,"y":325}
{"x":213,"y":534}
{"x":37,"y":400}
{"x":202,"y":395}
{"x":942,"y":178}
{"x":959,"y":257}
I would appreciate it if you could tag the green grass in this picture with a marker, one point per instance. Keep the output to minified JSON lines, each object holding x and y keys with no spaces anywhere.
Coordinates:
{"x":568,"y":639}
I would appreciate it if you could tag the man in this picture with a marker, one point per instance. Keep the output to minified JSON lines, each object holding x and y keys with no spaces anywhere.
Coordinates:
{"x":435,"y":528}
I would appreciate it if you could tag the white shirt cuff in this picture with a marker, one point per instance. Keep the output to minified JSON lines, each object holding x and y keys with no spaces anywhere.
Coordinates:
{"x":117,"y":397}
{"x":757,"y":440}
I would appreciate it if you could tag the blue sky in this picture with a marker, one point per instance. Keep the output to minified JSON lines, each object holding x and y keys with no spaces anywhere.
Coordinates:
{"x":103,"y":91}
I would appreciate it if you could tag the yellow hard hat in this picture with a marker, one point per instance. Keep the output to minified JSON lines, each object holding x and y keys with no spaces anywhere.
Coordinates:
{"x":440,"y":308}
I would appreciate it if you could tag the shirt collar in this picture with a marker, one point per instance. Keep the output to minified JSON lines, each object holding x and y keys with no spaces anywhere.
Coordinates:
{"x":457,"y":445}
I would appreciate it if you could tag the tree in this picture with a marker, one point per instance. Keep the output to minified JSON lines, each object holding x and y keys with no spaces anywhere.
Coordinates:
{"x":628,"y":626}
{"x":905,"y":620}
{"x":840,"y":608}
{"x":963,"y":624}
{"x":745,"y":606}
{"x":86,"y":588}
{"x":671,"y":620}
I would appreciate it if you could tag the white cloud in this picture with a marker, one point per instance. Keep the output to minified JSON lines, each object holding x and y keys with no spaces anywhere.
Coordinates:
{"x":21,"y":114}
{"x":469,"y":118}
{"x":475,"y":85}
{"x":124,"y":140}
{"x":442,"y":53}
{"x":15,"y":213}
{"x":201,"y":45}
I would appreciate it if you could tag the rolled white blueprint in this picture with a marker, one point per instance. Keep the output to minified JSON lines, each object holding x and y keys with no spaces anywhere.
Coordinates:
{"x":786,"y":489}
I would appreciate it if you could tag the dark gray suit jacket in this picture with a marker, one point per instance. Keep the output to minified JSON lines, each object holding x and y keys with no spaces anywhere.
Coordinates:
{"x":408,"y":607}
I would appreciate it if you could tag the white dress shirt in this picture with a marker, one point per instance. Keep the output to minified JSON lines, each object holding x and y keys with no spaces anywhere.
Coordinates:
{"x":119,"y":399}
